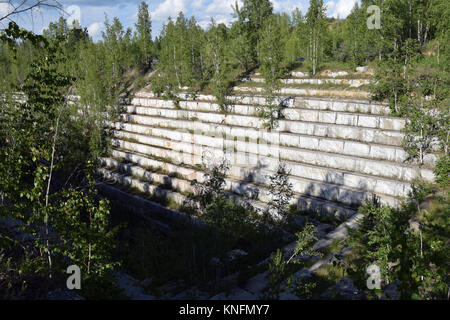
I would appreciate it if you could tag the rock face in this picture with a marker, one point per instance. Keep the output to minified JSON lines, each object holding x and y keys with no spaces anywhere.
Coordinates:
{"x":344,"y":290}
{"x":257,"y":284}
{"x":339,"y":146}
{"x":362,"y":69}
{"x":337,"y":157}
{"x":132,"y":287}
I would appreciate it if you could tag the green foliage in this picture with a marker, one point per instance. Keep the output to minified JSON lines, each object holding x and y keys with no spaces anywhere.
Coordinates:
{"x":219,"y":210}
{"x":371,"y":241}
{"x":216,"y":57}
{"x":200,"y":253}
{"x":412,"y":75}
{"x":250,"y":20}
{"x":11,"y":286}
{"x":277,"y":274}
{"x":142,"y":39}
{"x":315,"y":22}
{"x":436,"y":248}
{"x":213,"y":187}
{"x":72,"y":35}
{"x":33,"y":149}
{"x":47,"y":142}
{"x":425,"y":105}
{"x":271,"y":57}
{"x":280,"y":275}
{"x":304,"y":244}
{"x":281,"y":192}
{"x":81,"y":221}
{"x":414,"y":257}
{"x":357,"y":38}
{"x":271,"y":111}
{"x":116,"y":47}
{"x":419,"y":132}
{"x":180,"y":58}
{"x":270,"y":50}
{"x":241,"y":50}
{"x":442,"y":171}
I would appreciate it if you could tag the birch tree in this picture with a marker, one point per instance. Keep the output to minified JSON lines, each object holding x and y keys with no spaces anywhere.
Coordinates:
{"x":216,"y":54}
{"x":143,"y":37}
{"x":315,"y":21}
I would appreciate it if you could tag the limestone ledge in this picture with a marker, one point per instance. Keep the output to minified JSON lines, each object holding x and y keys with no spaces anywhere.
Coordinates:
{"x":332,"y":192}
{"x":287,"y":149}
{"x":248,"y":123}
{"x":196,"y":109}
{"x":355,"y":83}
{"x":239,"y":188}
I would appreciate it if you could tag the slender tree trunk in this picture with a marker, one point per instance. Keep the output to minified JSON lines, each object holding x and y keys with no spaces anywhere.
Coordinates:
{"x":404,"y":68}
{"x":438,"y":52}
{"x":395,"y":99}
{"x":418,"y":31}
{"x":52,"y":161}
{"x":89,"y":259}
{"x":410,"y":20}
{"x":201,"y":67}
{"x":421,"y":147}
{"x":47,"y":193}
{"x":193,"y":59}
{"x":175,"y":66}
{"x":420,"y":230}
{"x":90,"y":245}
{"x":310,"y":45}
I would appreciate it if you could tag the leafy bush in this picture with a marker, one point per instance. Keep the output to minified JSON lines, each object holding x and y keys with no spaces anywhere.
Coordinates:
{"x":280,"y":268}
{"x":412,"y":255}
{"x":442,"y":171}
{"x":281,"y":192}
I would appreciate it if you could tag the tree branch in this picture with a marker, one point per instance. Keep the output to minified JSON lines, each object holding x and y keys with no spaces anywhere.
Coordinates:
{"x":23,"y":7}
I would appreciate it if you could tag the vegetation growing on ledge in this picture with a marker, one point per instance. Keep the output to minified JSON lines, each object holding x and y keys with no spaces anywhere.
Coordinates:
{"x":51,"y":215}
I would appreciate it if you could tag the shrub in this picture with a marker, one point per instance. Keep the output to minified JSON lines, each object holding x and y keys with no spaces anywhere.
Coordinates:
{"x":442,"y":171}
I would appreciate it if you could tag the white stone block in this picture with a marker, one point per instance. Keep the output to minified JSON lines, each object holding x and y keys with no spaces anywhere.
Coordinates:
{"x":306,"y":142}
{"x":327,"y":117}
{"x":368,"y":121}
{"x":308,"y":115}
{"x":356,"y":149}
{"x":394,"y":137}
{"x":347,"y":119}
{"x":392,"y":124}
{"x":321,"y":130}
{"x":343,"y":132}
{"x":329,"y":145}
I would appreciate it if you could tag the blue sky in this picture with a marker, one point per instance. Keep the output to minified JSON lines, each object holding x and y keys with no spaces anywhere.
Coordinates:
{"x":91,"y":13}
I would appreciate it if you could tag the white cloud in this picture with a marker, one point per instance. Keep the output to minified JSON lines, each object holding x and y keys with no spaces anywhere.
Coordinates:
{"x":204,"y":24}
{"x":288,"y":6}
{"x":341,"y":8}
{"x":95,"y":29}
{"x":220,"y":10}
{"x":168,"y":8}
{"x":197,"y":4}
{"x":74,"y":13}
{"x":221,"y":7}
